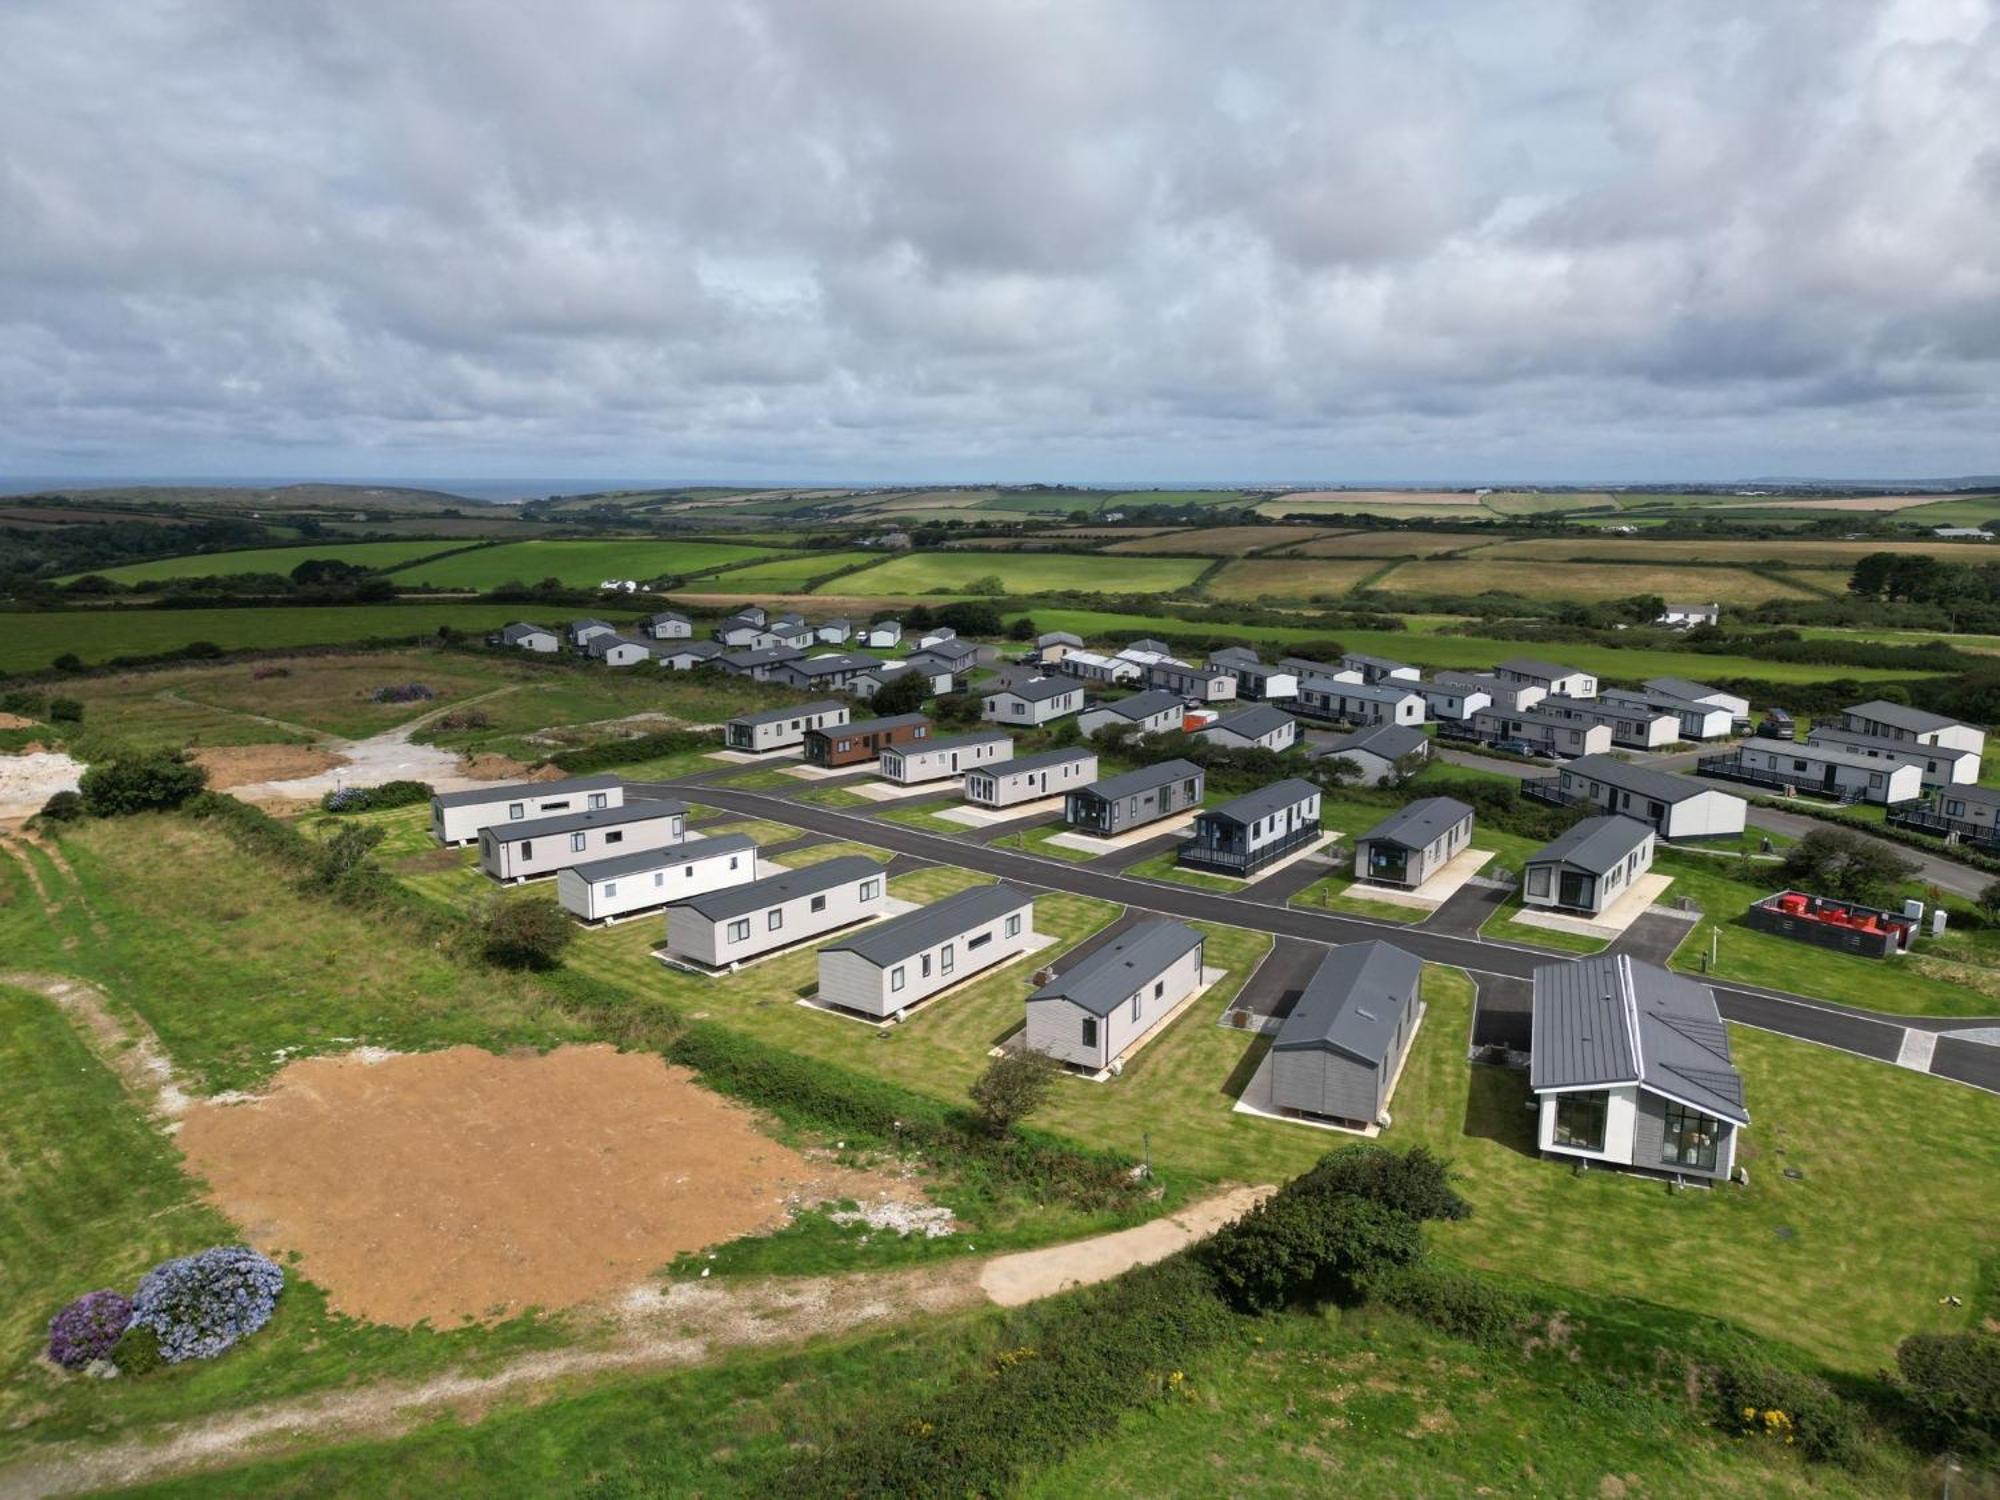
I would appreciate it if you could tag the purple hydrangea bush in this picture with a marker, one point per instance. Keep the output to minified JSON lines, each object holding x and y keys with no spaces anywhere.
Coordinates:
{"x":88,"y":1328}
{"x":404,"y":692}
{"x":199,"y":1305}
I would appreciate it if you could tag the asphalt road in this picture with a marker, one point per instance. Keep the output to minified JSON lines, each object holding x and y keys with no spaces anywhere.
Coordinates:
{"x":1866,"y":1033}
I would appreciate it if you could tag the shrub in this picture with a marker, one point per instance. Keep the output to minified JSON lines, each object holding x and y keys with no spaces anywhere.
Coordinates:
{"x":640,"y":747}
{"x":65,"y":711}
{"x":402,"y":692}
{"x":1753,"y":1397}
{"x":25,"y":701}
{"x":1290,"y":1247}
{"x":1954,"y":1381}
{"x":141,"y":783}
{"x":527,"y":934}
{"x":1014,"y":1085}
{"x":1460,"y":1303}
{"x":1849,"y":866}
{"x":89,"y":1328}
{"x":200,"y":1305}
{"x":264,"y":674}
{"x":63,"y":807}
{"x":465,"y":718}
{"x":376,"y":798}
{"x":69,"y":661}
{"x":1416,"y":1183}
{"x":138,"y":1352}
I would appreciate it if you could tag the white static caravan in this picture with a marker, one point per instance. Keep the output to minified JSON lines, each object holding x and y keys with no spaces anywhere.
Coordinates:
{"x":932,"y":760}
{"x":1589,"y":866}
{"x":522,"y":851}
{"x":1551,"y":677}
{"x":1697,"y":721}
{"x":457,"y":817}
{"x":1450,"y":700}
{"x":1641,"y":727}
{"x":525,"y":637}
{"x":607,"y":889}
{"x":1697,"y":692}
{"x":1834,"y":770}
{"x":1012,"y":782}
{"x":728,"y":927}
{"x":1100,"y":1008}
{"x":1678,"y":806}
{"x":1201,"y":684}
{"x":1144,"y":713}
{"x":904,"y":961}
{"x":782,"y":728}
{"x":1040,"y":700}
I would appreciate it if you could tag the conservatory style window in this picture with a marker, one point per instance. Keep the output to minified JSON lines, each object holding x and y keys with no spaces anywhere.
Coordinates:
{"x":1580,"y":1120}
{"x":1691,"y":1138}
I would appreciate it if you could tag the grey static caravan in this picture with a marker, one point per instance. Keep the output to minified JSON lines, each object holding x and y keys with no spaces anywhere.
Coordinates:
{"x":1248,"y":833}
{"x":904,"y":961}
{"x":1939,"y":766}
{"x":1392,"y":702}
{"x":1039,"y":700}
{"x":1204,"y":684}
{"x":1259,"y":727}
{"x":1338,"y":1052}
{"x":1589,"y":865}
{"x":1545,"y":730}
{"x":457,"y":817}
{"x":1638,"y":726}
{"x":525,"y":637}
{"x":781,"y":728}
{"x":1831,"y":770}
{"x":1374,"y":669}
{"x":1012,"y":782}
{"x":1100,"y":1008}
{"x":607,"y":889}
{"x":1679,"y":807}
{"x":1895,"y":721}
{"x":1450,"y":700}
{"x":1255,"y":678}
{"x":522,"y":851}
{"x":1143,"y":713}
{"x":1412,"y":845}
{"x":728,"y":927}
{"x":932,"y":760}
{"x":1106,"y":809}
{"x":1698,"y":721}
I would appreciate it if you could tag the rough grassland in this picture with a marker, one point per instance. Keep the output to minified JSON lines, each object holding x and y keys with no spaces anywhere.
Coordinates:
{"x":1218,"y":541}
{"x":1585,"y":582}
{"x":1028,"y":573}
{"x":787,"y":573}
{"x":1394,"y":543}
{"x":379,"y":555}
{"x":1804,"y":553}
{"x":580,"y":564}
{"x":1292,"y":578}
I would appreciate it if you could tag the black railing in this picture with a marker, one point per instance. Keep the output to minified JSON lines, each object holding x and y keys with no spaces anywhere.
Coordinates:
{"x":1458,"y":729}
{"x":1199,"y":856}
{"x":1792,"y":784}
{"x":1921,"y":820}
{"x":1548,"y":789}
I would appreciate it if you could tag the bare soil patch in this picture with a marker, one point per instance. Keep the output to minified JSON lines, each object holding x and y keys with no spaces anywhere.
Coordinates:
{"x":15,"y":721}
{"x":489,"y":767}
{"x":245,"y":765}
{"x":459,"y":1185}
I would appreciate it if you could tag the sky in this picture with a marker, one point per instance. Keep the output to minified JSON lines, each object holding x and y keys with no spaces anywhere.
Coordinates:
{"x":1080,"y":240}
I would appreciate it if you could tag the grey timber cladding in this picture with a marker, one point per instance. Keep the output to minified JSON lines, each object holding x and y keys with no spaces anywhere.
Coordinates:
{"x":1356,"y":1002}
{"x":1107,"y":978}
{"x":1420,"y":824}
{"x":908,"y":935}
{"x":1610,"y":1019}
{"x":742,"y":900}
{"x":1145,"y":779}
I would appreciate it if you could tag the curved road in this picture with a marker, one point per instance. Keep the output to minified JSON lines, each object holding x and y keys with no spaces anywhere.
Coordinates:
{"x":1886,"y":1038}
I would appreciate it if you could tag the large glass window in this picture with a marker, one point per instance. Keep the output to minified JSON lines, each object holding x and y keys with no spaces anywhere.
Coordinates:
{"x":1538,"y":880}
{"x":1580,"y":1120}
{"x":1691,"y":1138}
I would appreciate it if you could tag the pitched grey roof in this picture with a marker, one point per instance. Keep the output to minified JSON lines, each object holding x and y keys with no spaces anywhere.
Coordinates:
{"x":956,"y":742}
{"x":1680,"y":687}
{"x":930,"y":663}
{"x":1354,"y":1003}
{"x":1058,"y":638}
{"x":1142,"y":780}
{"x":600,"y":645}
{"x":587,"y":623}
{"x":1376,"y":692}
{"x":834,"y":663}
{"x":1860,"y":741}
{"x":1109,"y":977}
{"x":1306,"y":666}
{"x":1235,"y":656}
{"x":516,"y":631}
{"x":706,"y":650}
{"x":665,"y":859}
{"x":796,"y":710}
{"x":769,"y":656}
{"x":1595,"y":844}
{"x":1415,"y":826}
{"x":1250,"y":723}
{"x":951,"y":649}
{"x":1831,"y":755}
{"x":1039,"y":690}
{"x":1388,"y":663}
{"x":1986,"y":796}
{"x":905,"y":936}
{"x":1390,"y":741}
{"x":1611,"y":1019}
{"x":1644,"y":781}
{"x":1143,"y":705}
{"x":1534,"y":666}
{"x":669,"y":614}
{"x":786,"y":885}
{"x":1046,"y":760}
{"x":503,"y":791}
{"x":1916,"y":720}
{"x":871,"y":726}
{"x":645,"y":811}
{"x":1261,"y":803}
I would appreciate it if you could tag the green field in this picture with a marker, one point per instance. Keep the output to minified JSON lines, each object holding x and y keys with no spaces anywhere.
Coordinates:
{"x":577,"y":564}
{"x":378,"y":555}
{"x":785,"y":575}
{"x":1026,"y":573}
{"x":1292,"y":579}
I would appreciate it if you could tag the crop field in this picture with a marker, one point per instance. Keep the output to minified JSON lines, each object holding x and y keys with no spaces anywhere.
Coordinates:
{"x":1536,"y":503}
{"x":1219,"y":541}
{"x":1977,"y":510}
{"x":790,"y":574}
{"x":1029,"y":573}
{"x":1062,"y":502}
{"x":1588,"y":583}
{"x":1393,"y":543}
{"x":1289,"y":579}
{"x":579,"y":564}
{"x":1796,"y":553}
{"x":378,"y":555}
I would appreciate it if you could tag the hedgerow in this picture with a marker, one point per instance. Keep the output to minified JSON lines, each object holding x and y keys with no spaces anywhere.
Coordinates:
{"x":352,"y":799}
{"x":640,"y":747}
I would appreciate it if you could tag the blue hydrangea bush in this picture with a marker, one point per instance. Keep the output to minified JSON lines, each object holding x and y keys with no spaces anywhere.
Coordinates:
{"x":200,"y":1305}
{"x":89,"y":1328}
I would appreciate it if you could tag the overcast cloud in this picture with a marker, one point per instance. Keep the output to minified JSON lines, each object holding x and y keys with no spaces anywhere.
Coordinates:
{"x":857,"y":239}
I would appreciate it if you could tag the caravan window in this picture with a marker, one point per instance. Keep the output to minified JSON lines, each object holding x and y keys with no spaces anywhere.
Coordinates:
{"x":1014,"y":925}
{"x":576,"y":843}
{"x":1090,"y":1031}
{"x":516,"y":811}
{"x":597,"y":799}
{"x":819,"y":903}
{"x":739,"y":930}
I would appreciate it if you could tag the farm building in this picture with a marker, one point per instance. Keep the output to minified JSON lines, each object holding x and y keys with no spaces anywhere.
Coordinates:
{"x":834,"y":672}
{"x":1375,"y":669}
{"x":580,"y":631}
{"x":1550,"y":677}
{"x":669,"y":625}
{"x":1143,"y":713}
{"x":1030,"y":777}
{"x":1678,"y":807}
{"x":1630,"y":1066}
{"x":1336,"y":1056}
{"x":1637,"y":726}
{"x":457,"y":817}
{"x":608,"y":888}
{"x":932,"y":759}
{"x":1255,"y":679}
{"x":685,"y":656}
{"x":1589,"y":865}
{"x":1824,"y":770}
{"x":1895,"y":721}
{"x":852,"y":744}
{"x":782,"y":728}
{"x":1452,"y":700}
{"x":1260,"y":727}
{"x":759,"y":665}
{"x":1118,"y":805}
{"x":1549,"y":733}
{"x":1698,"y":692}
{"x":1358,"y":703}
{"x":616,"y":650}
{"x":525,"y":637}
{"x":1414,"y":843}
{"x":730,"y":926}
{"x":1092,"y":666}
{"x":1246,"y":834}
{"x":904,"y":961}
{"x":1096,"y":1011}
{"x":543,"y":846}
{"x":1203,"y":684}
{"x":885,"y":635}
{"x":1939,"y":765}
{"x":1040,"y":700}
{"x":1686,"y":616}
{"x":1693,"y":721}
{"x":837,"y":632}
{"x":1380,"y":752}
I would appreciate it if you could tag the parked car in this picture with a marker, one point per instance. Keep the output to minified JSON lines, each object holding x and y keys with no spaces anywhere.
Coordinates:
{"x":1519,"y":747}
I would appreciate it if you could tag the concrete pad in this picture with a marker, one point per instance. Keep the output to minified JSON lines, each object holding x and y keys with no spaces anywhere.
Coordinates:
{"x":1256,"y":1097}
{"x":889,"y":791}
{"x":883,"y":1023}
{"x":986,"y":817}
{"x":1086,"y":844}
{"x":1614,"y":919}
{"x":755,"y":757}
{"x":1917,"y":1050}
{"x":1433,"y":893}
{"x":673,"y":958}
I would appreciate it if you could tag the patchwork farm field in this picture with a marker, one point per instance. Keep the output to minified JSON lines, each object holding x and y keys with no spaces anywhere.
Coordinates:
{"x":579,"y":564}
{"x":786,"y":575}
{"x":1219,"y":541}
{"x":1803,"y":552}
{"x":1392,"y":543}
{"x":378,"y":555}
{"x":1027,"y":573}
{"x":1589,"y":583}
{"x":1290,"y":579}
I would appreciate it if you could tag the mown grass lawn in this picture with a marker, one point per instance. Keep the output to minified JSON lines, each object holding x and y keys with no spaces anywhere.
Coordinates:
{"x":1502,"y":927}
{"x":1167,"y":867}
{"x":1036,"y":840}
{"x":1893,"y":1211}
{"x":1343,"y":893}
